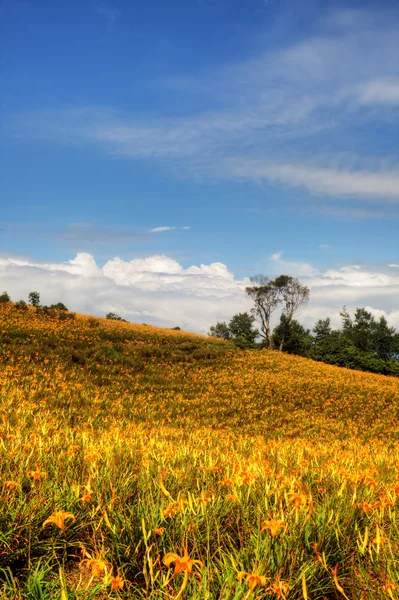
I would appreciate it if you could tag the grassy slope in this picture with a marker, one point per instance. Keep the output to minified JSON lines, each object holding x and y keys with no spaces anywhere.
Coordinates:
{"x":104,"y":412}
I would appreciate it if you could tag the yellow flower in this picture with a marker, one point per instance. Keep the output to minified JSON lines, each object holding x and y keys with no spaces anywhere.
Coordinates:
{"x":182,"y":563}
{"x":274,"y":526}
{"x":59,"y":518}
{"x":252,"y":579}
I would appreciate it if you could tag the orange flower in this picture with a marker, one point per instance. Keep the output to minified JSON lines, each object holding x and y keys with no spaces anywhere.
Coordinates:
{"x":298,"y":500}
{"x":96,"y":564}
{"x":252,"y":579}
{"x":59,"y":518}
{"x":116,"y":583}
{"x":231,"y":497}
{"x":86,"y":497}
{"x":10,"y":484}
{"x":36,"y":475}
{"x":182,"y":563}
{"x":159,"y":530}
{"x":274,"y":526}
{"x":280,"y":588}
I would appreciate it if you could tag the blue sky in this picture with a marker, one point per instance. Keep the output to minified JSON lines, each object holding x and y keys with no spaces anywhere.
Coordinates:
{"x":261,"y":135}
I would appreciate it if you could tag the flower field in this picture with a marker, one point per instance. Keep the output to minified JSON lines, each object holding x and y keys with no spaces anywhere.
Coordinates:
{"x":145,"y":463}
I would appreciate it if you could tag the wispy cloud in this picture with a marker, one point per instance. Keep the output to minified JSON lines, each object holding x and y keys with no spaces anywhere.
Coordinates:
{"x":167,"y":228}
{"x":323,"y":180}
{"x":263,"y":119}
{"x":110,"y":12}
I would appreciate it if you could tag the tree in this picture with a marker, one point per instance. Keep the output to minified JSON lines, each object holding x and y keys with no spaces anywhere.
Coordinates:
{"x":114,"y":317}
{"x":220,"y":330}
{"x":242,"y":330}
{"x":59,"y":306}
{"x":4,"y":298}
{"x":34,"y":299}
{"x":297,"y":339}
{"x":385,"y":340}
{"x":266,"y":297}
{"x":295,"y":296}
{"x":322,"y":329}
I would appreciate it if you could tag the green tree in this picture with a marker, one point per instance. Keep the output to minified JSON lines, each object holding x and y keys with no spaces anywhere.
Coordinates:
{"x":297,"y":339}
{"x":59,"y":306}
{"x":322,"y":329}
{"x":34,"y":299}
{"x":220,"y":330}
{"x":242,"y":330}
{"x":295,"y":296}
{"x":114,"y":317}
{"x":4,"y":298}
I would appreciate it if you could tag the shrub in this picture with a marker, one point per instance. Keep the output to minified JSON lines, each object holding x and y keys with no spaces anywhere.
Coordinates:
{"x":4,"y":298}
{"x":21,"y":305}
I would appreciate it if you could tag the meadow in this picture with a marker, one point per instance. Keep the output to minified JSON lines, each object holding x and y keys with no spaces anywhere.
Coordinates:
{"x":144,"y":463}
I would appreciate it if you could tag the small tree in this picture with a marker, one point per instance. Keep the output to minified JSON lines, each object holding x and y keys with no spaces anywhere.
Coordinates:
{"x":220,"y":330}
{"x":242,"y":330}
{"x":114,"y":317}
{"x":4,"y":298}
{"x":295,"y":296}
{"x":59,"y":306}
{"x":34,"y":299}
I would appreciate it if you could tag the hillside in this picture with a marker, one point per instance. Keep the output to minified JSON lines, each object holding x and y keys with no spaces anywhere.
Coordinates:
{"x":158,"y":441}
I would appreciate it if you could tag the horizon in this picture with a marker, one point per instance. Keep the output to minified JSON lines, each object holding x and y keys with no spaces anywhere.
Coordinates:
{"x":157,"y":156}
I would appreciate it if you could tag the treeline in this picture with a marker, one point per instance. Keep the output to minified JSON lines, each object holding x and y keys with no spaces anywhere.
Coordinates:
{"x":362,"y":342}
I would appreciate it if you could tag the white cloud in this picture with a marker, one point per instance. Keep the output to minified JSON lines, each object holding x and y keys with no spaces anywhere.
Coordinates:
{"x":166,"y":228}
{"x":158,"y":290}
{"x":346,"y":74}
{"x":380,"y":91}
{"x":322,"y":180}
{"x":277,"y":265}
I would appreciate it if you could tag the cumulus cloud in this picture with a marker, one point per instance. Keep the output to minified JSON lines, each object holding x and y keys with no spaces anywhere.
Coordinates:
{"x":155,"y":289}
{"x":160,"y":291}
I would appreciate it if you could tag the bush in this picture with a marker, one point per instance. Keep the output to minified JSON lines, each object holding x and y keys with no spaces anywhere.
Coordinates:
{"x":59,"y":306}
{"x":4,"y":298}
{"x":114,"y":317}
{"x":21,"y":305}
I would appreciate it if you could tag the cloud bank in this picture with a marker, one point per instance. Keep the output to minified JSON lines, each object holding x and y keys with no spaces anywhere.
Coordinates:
{"x":157,"y":289}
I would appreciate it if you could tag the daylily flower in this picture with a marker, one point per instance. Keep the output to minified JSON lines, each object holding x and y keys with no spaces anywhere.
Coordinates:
{"x":36,"y":475}
{"x":274,"y":526}
{"x":10,"y":484}
{"x":58,"y":518}
{"x":182,"y":563}
{"x":252,"y":579}
{"x":280,"y":588}
{"x":96,"y":564}
{"x":159,"y":530}
{"x":115,"y":582}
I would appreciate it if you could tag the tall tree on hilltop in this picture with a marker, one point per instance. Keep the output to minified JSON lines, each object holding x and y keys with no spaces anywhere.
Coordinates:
{"x":295,"y":296}
{"x":266,"y":297}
